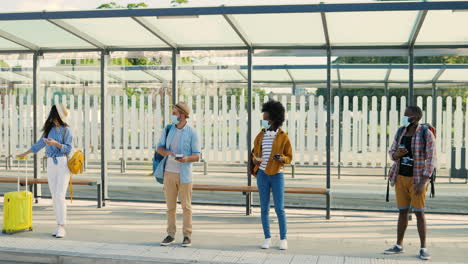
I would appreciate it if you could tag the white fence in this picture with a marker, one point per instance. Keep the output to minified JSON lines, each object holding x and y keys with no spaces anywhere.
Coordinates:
{"x":135,"y":126}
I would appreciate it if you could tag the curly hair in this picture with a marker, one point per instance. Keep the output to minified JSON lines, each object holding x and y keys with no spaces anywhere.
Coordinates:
{"x":276,"y":111}
{"x":417,"y":111}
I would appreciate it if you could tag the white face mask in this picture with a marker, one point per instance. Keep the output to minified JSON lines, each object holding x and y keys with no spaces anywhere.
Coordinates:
{"x":405,"y":121}
{"x":265,"y":124}
{"x":174,"y":120}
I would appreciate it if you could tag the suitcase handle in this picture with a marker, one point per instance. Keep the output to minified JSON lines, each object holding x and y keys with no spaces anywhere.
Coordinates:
{"x":25,"y":158}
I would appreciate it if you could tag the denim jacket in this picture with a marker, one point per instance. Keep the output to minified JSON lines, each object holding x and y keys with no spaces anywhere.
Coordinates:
{"x":187,"y":146}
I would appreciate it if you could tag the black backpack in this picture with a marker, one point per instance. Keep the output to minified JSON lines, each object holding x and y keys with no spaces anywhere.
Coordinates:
{"x":426,"y":127}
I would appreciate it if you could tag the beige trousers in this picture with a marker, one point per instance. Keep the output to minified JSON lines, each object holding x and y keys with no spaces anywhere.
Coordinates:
{"x":172,"y":189}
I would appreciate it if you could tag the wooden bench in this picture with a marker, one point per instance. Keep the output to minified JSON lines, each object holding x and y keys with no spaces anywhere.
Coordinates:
{"x":32,"y":182}
{"x":250,"y":189}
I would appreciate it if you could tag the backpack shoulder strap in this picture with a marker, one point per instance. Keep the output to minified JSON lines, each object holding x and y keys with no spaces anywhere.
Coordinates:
{"x":399,"y":132}
{"x":425,"y":129}
{"x":167,"y":130}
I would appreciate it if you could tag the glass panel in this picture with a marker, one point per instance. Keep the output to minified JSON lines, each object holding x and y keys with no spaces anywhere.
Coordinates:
{"x":421,"y":75}
{"x":370,"y":28}
{"x":402,"y":75}
{"x":43,"y":34}
{"x":269,"y":75}
{"x":117,"y":32}
{"x":13,"y":77}
{"x":50,"y":76}
{"x":82,"y":98}
{"x":283,"y":29}
{"x":305,"y":116}
{"x":86,"y":76}
{"x":219,"y":115}
{"x":443,"y":27}
{"x":132,"y":75}
{"x":362,"y":74}
{"x":182,"y":75}
{"x":5,"y":44}
{"x":138,"y":110}
{"x":454,"y":75}
{"x":197,"y":31}
{"x":16,"y":115}
{"x":221,"y":75}
{"x":309,"y":74}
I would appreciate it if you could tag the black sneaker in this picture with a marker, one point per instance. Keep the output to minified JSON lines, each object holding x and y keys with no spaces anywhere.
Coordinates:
{"x":394,"y":250}
{"x":167,"y":241}
{"x":424,"y":254}
{"x":187,"y":242}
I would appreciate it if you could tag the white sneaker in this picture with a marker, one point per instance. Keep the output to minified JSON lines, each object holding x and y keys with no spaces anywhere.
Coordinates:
{"x":60,"y":232}
{"x":284,"y":244}
{"x":266,"y":244}
{"x":55,"y":232}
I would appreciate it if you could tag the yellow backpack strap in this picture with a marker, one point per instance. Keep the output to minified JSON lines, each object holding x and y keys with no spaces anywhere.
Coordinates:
{"x":70,"y":183}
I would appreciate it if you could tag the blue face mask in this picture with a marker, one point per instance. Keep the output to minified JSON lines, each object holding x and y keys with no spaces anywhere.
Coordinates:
{"x":405,"y":121}
{"x":265,"y":124}
{"x":174,"y":120}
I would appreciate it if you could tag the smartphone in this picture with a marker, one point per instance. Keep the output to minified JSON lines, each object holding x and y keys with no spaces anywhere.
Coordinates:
{"x":179,"y":156}
{"x":277,"y":156}
{"x":401,"y":146}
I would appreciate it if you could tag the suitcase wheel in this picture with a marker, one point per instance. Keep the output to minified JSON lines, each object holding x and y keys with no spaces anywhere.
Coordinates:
{"x":4,"y":232}
{"x":30,"y":229}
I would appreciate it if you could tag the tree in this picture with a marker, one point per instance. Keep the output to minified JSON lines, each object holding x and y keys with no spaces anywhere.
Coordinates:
{"x":403,"y":60}
{"x":112,"y":5}
{"x":237,"y":92}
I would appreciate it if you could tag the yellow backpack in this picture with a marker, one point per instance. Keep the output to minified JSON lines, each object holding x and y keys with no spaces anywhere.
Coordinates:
{"x":75,"y":164}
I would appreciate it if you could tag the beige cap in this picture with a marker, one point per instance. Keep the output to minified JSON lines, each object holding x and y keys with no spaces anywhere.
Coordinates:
{"x":183,"y":108}
{"x":62,"y":111}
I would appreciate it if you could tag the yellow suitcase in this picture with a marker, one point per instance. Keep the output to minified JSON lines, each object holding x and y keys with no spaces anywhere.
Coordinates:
{"x":17,"y":209}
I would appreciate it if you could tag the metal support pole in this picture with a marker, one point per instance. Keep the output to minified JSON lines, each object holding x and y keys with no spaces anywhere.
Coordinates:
{"x":340,"y":138}
{"x":175,"y":59}
{"x":99,"y":196}
{"x":248,"y":202}
{"x":104,"y":63}
{"x":434,"y":105}
{"x":36,"y":99}
{"x":383,"y":129}
{"x":329,"y":107}
{"x":411,"y":77}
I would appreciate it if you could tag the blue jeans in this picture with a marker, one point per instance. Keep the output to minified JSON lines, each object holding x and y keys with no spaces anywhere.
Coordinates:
{"x":275,"y":182}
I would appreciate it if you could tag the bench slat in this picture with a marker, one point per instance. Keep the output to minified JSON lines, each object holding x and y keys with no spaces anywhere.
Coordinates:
{"x":233,"y":188}
{"x":45,"y":181}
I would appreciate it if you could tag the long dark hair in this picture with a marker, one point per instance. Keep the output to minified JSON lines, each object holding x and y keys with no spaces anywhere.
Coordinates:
{"x":49,"y":123}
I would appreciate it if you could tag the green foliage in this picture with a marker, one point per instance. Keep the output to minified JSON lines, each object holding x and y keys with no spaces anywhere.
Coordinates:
{"x":237,"y":92}
{"x":137,"y":91}
{"x":403,"y":60}
{"x":3,"y":64}
{"x":113,"y":5}
{"x":178,"y":2}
